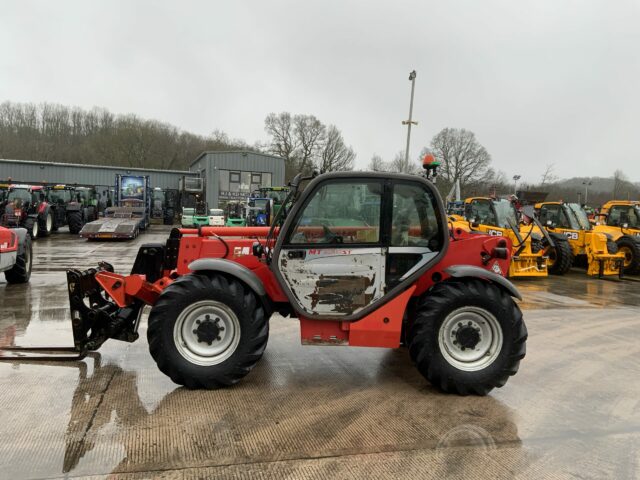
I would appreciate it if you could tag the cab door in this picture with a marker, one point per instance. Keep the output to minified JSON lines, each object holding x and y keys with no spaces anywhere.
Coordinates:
{"x":331,"y":259}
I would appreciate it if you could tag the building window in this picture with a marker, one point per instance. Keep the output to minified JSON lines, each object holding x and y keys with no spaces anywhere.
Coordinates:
{"x":256,"y":178}
{"x":224,"y":180}
{"x":234,"y":177}
{"x":266,"y":179}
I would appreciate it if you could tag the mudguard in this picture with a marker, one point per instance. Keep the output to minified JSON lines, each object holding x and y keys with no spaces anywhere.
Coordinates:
{"x":234,"y":269}
{"x":458,"y":271}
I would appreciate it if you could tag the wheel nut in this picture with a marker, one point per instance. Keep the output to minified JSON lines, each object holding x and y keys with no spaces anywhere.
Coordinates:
{"x":221,"y":329}
{"x":198,"y":322}
{"x":195,"y":332}
{"x":218,"y":338}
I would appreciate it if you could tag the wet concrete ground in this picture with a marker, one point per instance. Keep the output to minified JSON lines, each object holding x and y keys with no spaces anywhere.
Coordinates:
{"x":573,"y":410}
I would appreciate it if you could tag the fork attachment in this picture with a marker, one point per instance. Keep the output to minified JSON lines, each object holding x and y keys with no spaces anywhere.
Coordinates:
{"x":94,"y":319}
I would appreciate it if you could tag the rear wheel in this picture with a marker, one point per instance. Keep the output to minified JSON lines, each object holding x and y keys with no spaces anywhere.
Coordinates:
{"x":32,"y":227}
{"x":45,"y":223}
{"x":560,"y":256}
{"x":207,"y":331}
{"x":631,"y":250}
{"x":74,"y":219}
{"x":468,"y":336}
{"x":21,"y":271}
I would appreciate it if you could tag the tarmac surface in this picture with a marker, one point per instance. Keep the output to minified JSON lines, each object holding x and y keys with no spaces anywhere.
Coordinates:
{"x":572,"y":411}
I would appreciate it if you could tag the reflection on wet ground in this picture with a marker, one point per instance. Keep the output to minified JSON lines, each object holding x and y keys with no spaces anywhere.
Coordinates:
{"x":573,"y":410}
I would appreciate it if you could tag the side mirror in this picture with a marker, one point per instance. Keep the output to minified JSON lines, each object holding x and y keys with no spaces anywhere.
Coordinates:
{"x":625,"y":225}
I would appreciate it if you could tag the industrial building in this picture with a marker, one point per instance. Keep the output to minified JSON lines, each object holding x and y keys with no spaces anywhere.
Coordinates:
{"x":234,"y":175}
{"x":228,"y":175}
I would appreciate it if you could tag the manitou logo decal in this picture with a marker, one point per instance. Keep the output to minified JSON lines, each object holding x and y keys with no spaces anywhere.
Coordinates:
{"x":571,"y":235}
{"x":332,"y":251}
{"x":496,"y":268}
{"x":495,"y":233}
{"x":239,"y":251}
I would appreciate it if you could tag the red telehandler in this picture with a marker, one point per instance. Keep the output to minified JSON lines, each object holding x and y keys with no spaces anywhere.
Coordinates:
{"x":360,"y":259}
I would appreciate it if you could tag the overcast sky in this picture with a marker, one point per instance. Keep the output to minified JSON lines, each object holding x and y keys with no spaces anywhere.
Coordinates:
{"x":538,"y":82}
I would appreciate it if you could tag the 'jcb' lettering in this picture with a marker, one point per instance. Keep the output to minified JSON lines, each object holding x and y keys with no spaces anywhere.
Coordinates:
{"x":495,"y":233}
{"x":571,"y":235}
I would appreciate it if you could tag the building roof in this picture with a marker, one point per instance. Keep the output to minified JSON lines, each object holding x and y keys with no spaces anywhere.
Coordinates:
{"x":241,"y":152}
{"x":80,"y":165}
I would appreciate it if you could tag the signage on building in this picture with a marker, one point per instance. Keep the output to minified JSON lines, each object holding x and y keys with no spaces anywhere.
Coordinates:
{"x":227,"y":195}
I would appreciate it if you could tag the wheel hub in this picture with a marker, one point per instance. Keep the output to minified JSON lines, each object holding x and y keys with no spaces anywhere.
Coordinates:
{"x":467,"y":336}
{"x":208,"y":330}
{"x":470,"y":338}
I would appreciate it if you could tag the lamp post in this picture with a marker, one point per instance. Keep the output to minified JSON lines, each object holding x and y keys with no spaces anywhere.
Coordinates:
{"x":586,"y":190}
{"x":515,"y":184}
{"x":412,"y":79}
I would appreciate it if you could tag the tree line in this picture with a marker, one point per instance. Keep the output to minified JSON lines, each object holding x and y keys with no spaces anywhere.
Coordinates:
{"x":57,"y":133}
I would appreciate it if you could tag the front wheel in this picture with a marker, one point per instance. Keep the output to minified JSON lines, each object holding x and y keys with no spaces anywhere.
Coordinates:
{"x":207,"y":331}
{"x":468,"y":336}
{"x":74,"y":220}
{"x":45,"y":223}
{"x":631,"y":249}
{"x":21,"y":271}
{"x":560,"y":256}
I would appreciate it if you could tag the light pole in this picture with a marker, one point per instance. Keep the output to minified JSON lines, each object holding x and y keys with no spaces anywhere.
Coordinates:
{"x":515,"y":184}
{"x":412,"y":79}
{"x":586,"y":190}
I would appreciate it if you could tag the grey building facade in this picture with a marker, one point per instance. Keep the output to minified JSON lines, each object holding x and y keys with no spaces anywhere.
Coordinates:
{"x":27,"y":171}
{"x":228,"y":175}
{"x":234,"y":175}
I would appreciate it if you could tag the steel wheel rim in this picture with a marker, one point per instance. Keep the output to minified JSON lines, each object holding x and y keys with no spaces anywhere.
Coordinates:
{"x":201,"y":321}
{"x":35,"y":229}
{"x":49,"y":222}
{"x":488,"y":347}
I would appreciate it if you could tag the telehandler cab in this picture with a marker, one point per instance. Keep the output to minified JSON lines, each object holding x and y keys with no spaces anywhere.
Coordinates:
{"x":620,"y":219}
{"x":536,"y":252}
{"x":595,"y":250}
{"x":361,"y":259}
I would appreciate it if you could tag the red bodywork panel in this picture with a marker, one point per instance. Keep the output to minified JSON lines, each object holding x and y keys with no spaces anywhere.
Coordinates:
{"x":8,"y":240}
{"x":380,"y":328}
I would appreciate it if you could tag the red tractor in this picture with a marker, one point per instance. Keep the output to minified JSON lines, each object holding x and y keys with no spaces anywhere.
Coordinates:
{"x":360,"y":259}
{"x":15,"y":254}
{"x":25,"y":206}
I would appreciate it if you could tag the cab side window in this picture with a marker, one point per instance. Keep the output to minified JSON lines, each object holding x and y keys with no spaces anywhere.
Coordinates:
{"x":339,"y":213}
{"x":415,"y":219}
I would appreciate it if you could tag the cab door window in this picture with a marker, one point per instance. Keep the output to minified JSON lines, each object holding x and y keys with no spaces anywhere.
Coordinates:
{"x":340,"y":213}
{"x":481,"y":211}
{"x":416,"y":232}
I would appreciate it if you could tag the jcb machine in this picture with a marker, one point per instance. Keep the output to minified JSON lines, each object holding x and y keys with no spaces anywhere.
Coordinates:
{"x":588,"y":247}
{"x":620,"y":220}
{"x":535,"y":253}
{"x":386,"y":279}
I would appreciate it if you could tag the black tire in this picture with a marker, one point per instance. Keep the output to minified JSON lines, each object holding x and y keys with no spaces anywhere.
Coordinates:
{"x":74,"y":220}
{"x":32,"y":227}
{"x":441,"y":306}
{"x":181,"y":297}
{"x":560,"y":256}
{"x":631,"y":249}
{"x":21,"y":271}
{"x":45,"y":223}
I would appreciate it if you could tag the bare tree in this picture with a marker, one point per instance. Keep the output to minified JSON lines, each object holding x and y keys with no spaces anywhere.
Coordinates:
{"x":377,"y":164}
{"x":548,"y":176}
{"x":283,"y":143}
{"x":401,"y":165}
{"x":461,"y":157}
{"x":619,"y":181}
{"x":334,"y":154}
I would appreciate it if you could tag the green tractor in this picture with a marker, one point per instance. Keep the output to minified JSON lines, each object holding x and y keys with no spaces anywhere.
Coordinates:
{"x":235,"y":213}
